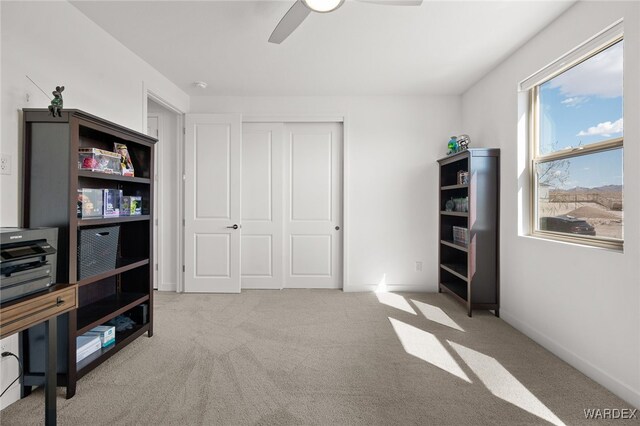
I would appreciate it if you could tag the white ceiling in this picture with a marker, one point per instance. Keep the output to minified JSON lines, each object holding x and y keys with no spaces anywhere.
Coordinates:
{"x":441,"y":47}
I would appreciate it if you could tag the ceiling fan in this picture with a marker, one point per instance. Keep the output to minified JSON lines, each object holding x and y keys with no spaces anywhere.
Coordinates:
{"x":302,"y":8}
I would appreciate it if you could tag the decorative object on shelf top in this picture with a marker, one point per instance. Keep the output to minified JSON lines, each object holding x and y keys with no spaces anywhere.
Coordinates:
{"x":57,"y":102}
{"x":458,"y":143}
{"x":55,"y":108}
{"x":452,"y":145}
{"x":463,"y":142}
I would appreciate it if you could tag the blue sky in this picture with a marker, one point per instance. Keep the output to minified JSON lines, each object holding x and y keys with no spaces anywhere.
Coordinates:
{"x":582,"y":106}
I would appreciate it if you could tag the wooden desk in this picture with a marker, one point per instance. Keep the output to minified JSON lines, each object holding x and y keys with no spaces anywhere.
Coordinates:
{"x":20,"y":314}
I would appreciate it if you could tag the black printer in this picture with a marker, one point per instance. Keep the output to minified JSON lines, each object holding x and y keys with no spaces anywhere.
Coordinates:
{"x":28,"y":261}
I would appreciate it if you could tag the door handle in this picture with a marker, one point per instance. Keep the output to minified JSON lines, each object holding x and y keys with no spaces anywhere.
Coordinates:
{"x":235,"y":226}
{"x":337,"y":228}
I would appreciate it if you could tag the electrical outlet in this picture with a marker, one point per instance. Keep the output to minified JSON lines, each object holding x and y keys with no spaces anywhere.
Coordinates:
{"x":5,"y":164}
{"x":418,"y":266}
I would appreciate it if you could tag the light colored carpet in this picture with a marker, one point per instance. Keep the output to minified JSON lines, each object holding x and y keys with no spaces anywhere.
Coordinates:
{"x":325,"y":357}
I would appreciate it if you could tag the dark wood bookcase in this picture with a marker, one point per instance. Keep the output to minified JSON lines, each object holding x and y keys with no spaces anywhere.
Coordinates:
{"x":51,"y":181}
{"x":469,"y":271}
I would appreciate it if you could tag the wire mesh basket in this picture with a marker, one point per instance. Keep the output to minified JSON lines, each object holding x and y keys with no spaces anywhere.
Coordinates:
{"x":97,"y":250}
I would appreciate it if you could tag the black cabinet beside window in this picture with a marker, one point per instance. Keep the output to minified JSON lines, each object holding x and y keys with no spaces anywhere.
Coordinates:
{"x":468,"y":267}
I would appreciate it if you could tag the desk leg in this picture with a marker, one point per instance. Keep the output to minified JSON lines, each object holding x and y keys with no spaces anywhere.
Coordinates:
{"x":51,"y":372}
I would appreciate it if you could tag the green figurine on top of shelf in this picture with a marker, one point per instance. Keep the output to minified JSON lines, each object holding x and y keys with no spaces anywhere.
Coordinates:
{"x":56,"y":103}
{"x":452,"y":145}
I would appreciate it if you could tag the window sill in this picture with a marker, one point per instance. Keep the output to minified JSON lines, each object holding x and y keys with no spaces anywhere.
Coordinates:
{"x":585,"y":245}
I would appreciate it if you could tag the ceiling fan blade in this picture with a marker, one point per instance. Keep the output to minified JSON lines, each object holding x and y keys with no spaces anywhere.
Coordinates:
{"x":289,"y":22}
{"x":394,"y":2}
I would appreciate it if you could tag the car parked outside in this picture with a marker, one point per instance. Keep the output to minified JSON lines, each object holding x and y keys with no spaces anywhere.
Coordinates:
{"x":566,"y":224}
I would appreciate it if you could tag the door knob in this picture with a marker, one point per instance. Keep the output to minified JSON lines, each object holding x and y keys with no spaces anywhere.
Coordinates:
{"x":337,"y":228}
{"x":235,"y":226}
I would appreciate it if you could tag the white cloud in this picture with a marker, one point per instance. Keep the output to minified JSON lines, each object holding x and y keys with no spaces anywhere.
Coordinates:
{"x":599,"y":76}
{"x":575,"y":101}
{"x":603,"y":129}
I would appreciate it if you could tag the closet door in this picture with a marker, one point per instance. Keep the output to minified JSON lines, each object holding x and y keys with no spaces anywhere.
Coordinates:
{"x":262,"y":188}
{"x":313,"y":205}
{"x":212,"y":203}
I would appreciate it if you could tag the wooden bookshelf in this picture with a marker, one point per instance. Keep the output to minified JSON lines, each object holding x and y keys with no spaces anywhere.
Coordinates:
{"x":469,"y":271}
{"x":52,"y":178}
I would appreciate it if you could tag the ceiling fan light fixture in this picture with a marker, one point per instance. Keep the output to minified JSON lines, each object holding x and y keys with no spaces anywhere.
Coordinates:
{"x":323,"y":6}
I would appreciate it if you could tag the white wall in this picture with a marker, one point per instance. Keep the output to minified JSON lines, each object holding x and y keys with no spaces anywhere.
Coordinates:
{"x":100,"y":76}
{"x":169,"y":202}
{"x":582,"y":304}
{"x":55,"y":44}
{"x":392,"y":146}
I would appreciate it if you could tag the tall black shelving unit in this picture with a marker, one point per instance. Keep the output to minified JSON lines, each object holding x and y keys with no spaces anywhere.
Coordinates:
{"x":469,"y":270}
{"x":51,"y":181}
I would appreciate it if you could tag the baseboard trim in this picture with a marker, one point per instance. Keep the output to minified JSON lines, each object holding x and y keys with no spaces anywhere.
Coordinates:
{"x":360,"y":288}
{"x":167,"y":287}
{"x":622,"y":390}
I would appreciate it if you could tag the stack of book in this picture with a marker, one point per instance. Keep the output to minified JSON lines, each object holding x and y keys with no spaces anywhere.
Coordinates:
{"x":106,"y":333}
{"x":86,"y":345}
{"x":94,"y":339}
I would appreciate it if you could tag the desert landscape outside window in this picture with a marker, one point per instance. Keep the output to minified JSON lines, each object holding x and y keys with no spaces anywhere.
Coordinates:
{"x":578,"y":151}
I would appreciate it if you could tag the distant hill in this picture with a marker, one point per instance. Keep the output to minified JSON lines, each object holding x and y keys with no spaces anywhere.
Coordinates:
{"x":581,"y":189}
{"x":609,"y":188}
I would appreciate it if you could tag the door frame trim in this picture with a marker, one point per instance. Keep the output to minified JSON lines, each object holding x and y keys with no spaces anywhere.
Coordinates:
{"x":157,"y":200}
{"x":291,"y":118}
{"x":329,"y":118}
{"x":150,"y":94}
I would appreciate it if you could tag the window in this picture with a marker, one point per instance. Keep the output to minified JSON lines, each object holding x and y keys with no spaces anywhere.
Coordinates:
{"x":577,"y":148}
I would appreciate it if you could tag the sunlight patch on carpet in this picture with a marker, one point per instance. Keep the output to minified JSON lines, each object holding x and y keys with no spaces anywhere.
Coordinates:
{"x":435,"y":314}
{"x":503,"y":384}
{"x":427,"y":347}
{"x":395,"y":301}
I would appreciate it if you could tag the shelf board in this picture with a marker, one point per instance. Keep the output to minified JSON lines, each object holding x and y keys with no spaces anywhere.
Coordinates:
{"x":123,"y":338}
{"x":457,"y":290}
{"x":458,"y":270}
{"x":110,"y":220}
{"x":122,"y":265}
{"x":101,"y":311}
{"x":459,"y":214}
{"x":112,"y":176}
{"x":458,"y":246}
{"x":448,"y":187}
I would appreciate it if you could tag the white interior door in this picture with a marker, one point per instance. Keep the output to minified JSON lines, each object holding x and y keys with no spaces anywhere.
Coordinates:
{"x":153,"y":130}
{"x":212,"y":203}
{"x":313,"y":205}
{"x":262,"y":188}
